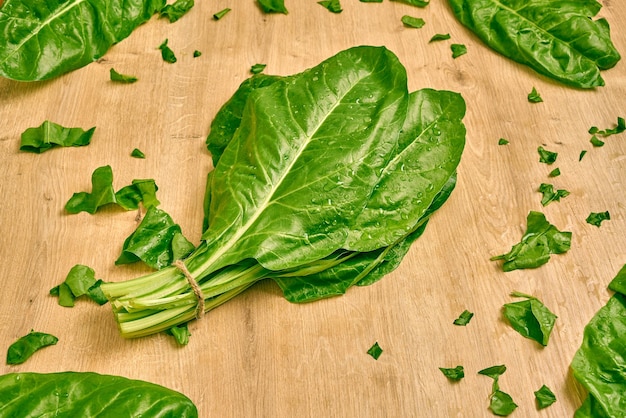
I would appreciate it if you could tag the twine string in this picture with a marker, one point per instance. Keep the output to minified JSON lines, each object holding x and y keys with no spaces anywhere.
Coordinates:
{"x":180,"y":265}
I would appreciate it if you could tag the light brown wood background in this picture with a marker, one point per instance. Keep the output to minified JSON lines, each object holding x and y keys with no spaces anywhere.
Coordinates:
{"x":259,"y":355}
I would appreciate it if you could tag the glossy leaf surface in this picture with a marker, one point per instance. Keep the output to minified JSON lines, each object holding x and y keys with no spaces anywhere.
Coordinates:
{"x":557,"y":38}
{"x":50,"y":134}
{"x":44,"y":39}
{"x":74,"y":394}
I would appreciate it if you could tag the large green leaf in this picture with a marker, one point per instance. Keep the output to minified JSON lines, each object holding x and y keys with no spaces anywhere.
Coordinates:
{"x":556,"y":38}
{"x":74,"y":394}
{"x":329,"y":132}
{"x":44,"y":39}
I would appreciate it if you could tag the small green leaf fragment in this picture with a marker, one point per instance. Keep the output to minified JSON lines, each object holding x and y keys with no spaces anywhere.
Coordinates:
{"x":371,"y":1}
{"x":180,"y":333}
{"x":458,"y":50}
{"x":375,"y":351}
{"x":502,"y":141}
{"x":501,"y":403}
{"x":137,"y":153}
{"x":257,"y":68}
{"x":534,"y":96}
{"x":618,"y":129}
{"x":272,"y":6}
{"x":66,"y":297}
{"x":596,"y":218}
{"x":439,"y":37}
{"x":196,"y":53}
{"x":455,"y":373}
{"x":121,"y":78}
{"x":540,"y":240}
{"x":221,"y":13}
{"x":333,"y":6}
{"x":96,"y":294}
{"x":176,"y":10}
{"x":551,"y":195}
{"x":80,"y":279}
{"x":544,"y":397}
{"x":417,"y":3}
{"x":464,"y":318}
{"x":102,"y":193}
{"x":22,"y":349}
{"x":531,"y":318}
{"x":596,"y":142}
{"x":166,"y":53}
{"x":413,"y":22}
{"x":494,"y":371}
{"x":50,"y":134}
{"x":141,"y":190}
{"x":555,"y":173}
{"x":545,"y":156}
{"x":581,"y":155}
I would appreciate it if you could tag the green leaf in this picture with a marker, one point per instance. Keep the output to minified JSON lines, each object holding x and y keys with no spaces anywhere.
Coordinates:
{"x":413,"y":22}
{"x":166,"y":53}
{"x":140,"y":190}
{"x":272,"y":6}
{"x":375,"y":351}
{"x":596,"y":218}
{"x":121,"y":78}
{"x":551,"y":195}
{"x":546,"y":157}
{"x":65,"y":295}
{"x":153,"y":242}
{"x":619,"y":128}
{"x":96,"y":294}
{"x":79,"y":281}
{"x":333,"y":6}
{"x":600,"y":361}
{"x":458,"y":50}
{"x":180,"y":333}
{"x":557,"y":39}
{"x":534,"y":96}
{"x":196,"y":53}
{"x":50,"y":134}
{"x":494,"y":371}
{"x":257,"y":68}
{"x":596,"y":142}
{"x":503,"y":141}
{"x":456,"y":373}
{"x":555,"y":173}
{"x":501,"y":403}
{"x":618,"y":284}
{"x":22,"y":349}
{"x":101,"y":193}
{"x":221,"y":13}
{"x":540,"y":240}
{"x":582,"y":154}
{"x":79,"y":394}
{"x":418,"y":3}
{"x":45,"y":39}
{"x":176,"y":10}
{"x":439,"y":37}
{"x":464,"y":318}
{"x":530,"y":318}
{"x":544,"y":397}
{"x":137,"y":153}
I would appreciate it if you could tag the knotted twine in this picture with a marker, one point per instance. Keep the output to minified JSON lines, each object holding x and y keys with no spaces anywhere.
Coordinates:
{"x":194,"y":286}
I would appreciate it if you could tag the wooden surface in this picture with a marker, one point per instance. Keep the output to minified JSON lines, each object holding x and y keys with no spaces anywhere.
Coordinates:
{"x":259,"y":355}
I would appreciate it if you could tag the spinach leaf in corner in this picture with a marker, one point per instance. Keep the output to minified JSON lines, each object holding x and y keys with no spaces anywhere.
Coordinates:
{"x":78,"y":394}
{"x":557,"y":39}
{"x":50,"y":134}
{"x":540,"y":240}
{"x":45,"y":39}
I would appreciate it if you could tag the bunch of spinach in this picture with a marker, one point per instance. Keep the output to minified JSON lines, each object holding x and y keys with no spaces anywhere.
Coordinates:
{"x":85,"y":394}
{"x":322,"y":180}
{"x":558,"y":39}
{"x":44,"y":39}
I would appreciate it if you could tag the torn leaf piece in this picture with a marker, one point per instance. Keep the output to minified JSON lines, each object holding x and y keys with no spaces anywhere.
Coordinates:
{"x":50,"y":134}
{"x":540,"y":240}
{"x":22,"y":349}
{"x":530,"y":318}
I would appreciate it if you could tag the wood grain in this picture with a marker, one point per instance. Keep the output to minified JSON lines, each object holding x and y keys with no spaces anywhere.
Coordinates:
{"x":259,"y":355}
